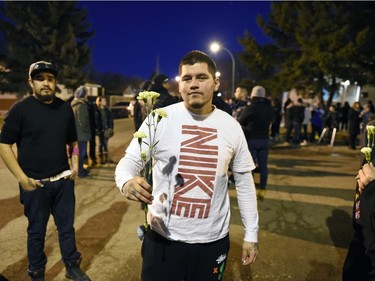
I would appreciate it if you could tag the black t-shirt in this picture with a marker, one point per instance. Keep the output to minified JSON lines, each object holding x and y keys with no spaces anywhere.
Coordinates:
{"x":41,"y":132}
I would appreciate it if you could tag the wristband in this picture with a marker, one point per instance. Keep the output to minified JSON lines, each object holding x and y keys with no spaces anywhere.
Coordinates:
{"x":75,"y":150}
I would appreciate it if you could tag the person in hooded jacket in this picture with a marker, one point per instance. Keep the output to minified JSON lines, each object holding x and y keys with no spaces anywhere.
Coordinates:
{"x":160,"y":84}
{"x":81,"y":114}
{"x":255,"y":120}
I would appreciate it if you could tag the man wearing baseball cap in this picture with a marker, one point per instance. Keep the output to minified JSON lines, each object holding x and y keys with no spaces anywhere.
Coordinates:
{"x":42,"y":126}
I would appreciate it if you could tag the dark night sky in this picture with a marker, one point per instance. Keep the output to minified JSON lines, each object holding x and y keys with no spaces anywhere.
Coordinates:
{"x":132,"y":36}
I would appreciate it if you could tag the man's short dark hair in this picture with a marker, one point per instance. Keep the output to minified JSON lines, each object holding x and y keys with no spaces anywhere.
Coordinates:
{"x":196,"y":56}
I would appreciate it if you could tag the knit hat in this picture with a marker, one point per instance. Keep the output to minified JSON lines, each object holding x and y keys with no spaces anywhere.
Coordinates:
{"x":81,"y":92}
{"x":258,"y":91}
{"x":159,"y":79}
{"x":42,"y":66}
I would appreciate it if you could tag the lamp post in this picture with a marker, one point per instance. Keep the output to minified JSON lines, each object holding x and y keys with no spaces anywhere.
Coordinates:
{"x":215,"y":47}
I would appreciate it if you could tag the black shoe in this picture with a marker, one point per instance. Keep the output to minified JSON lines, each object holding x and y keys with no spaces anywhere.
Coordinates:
{"x":37,"y":275}
{"x":74,"y":272}
{"x":84,"y":174}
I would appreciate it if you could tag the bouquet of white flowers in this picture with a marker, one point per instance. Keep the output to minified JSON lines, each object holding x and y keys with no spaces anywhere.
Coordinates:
{"x":152,"y":120}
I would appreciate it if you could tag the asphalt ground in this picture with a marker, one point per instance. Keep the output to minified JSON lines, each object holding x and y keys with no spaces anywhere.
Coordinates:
{"x":305,"y":219}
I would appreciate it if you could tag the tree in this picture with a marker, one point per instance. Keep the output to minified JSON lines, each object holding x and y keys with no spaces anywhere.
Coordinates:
{"x":313,"y":44}
{"x":54,"y":31}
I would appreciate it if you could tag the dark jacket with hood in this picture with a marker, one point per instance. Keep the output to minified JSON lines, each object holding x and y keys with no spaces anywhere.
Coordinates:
{"x":256,"y":118}
{"x":165,"y":98}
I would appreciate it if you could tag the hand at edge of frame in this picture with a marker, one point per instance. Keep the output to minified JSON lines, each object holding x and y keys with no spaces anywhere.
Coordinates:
{"x":250,"y":251}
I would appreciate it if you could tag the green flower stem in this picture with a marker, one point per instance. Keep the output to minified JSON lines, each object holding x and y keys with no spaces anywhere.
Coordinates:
{"x":146,"y":225}
{"x":369,"y":138}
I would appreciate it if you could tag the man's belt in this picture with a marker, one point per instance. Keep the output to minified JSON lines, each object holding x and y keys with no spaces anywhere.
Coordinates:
{"x":64,"y":174}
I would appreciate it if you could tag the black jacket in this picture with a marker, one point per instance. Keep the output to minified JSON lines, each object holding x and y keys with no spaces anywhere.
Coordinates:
{"x":256,"y":118}
{"x":164,"y":99}
{"x":354,"y":120}
{"x":360,"y":260}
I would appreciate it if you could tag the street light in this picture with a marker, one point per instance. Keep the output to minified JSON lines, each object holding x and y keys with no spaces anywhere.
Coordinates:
{"x":215,"y":47}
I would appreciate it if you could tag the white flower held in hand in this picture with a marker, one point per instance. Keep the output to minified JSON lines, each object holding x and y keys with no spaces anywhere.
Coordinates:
{"x":370,"y":135}
{"x":367,"y":152}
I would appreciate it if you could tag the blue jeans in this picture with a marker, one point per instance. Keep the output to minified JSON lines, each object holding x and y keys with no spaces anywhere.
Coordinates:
{"x":56,"y":198}
{"x":82,"y":146}
{"x":259,"y":151}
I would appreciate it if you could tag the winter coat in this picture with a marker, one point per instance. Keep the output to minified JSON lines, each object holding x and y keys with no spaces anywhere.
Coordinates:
{"x":164,"y":99}
{"x":354,"y":120}
{"x":256,"y":118}
{"x":81,"y":114}
{"x":332,"y":120}
{"x":317,"y":119}
{"x":298,"y":113}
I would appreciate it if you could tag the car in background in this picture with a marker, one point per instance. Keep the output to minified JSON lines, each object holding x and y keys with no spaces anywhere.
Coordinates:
{"x":120,"y":110}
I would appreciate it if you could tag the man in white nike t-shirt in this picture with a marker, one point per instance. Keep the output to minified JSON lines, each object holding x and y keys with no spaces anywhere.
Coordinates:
{"x":189,"y":209}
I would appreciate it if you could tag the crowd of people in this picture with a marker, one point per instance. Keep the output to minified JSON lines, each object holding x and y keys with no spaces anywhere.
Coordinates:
{"x":199,"y":147}
{"x":94,"y":123}
{"x":305,"y":122}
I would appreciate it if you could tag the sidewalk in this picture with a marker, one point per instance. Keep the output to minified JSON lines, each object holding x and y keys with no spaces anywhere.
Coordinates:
{"x":305,"y":219}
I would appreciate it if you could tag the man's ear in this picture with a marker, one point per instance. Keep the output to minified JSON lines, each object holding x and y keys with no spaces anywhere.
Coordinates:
{"x":31,"y":83}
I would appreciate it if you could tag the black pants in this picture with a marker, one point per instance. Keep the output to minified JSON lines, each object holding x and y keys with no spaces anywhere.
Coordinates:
{"x":176,"y":261}
{"x":353,"y":140}
{"x":358,"y":265}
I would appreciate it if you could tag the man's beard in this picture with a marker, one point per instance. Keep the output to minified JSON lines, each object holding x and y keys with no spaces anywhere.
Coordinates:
{"x":45,"y":98}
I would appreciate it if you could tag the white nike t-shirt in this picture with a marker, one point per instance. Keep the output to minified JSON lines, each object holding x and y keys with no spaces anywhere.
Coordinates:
{"x":192,"y":157}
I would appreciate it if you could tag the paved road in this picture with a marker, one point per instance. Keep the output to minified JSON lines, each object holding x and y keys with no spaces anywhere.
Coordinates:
{"x":304,"y":220}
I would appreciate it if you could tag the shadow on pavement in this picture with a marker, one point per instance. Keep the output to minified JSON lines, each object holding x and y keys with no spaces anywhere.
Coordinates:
{"x":305,"y":221}
{"x":338,"y":224}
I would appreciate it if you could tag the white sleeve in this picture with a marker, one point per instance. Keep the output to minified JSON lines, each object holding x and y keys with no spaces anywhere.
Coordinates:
{"x":127,"y":168}
{"x":131,"y":164}
{"x":247,"y":203}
